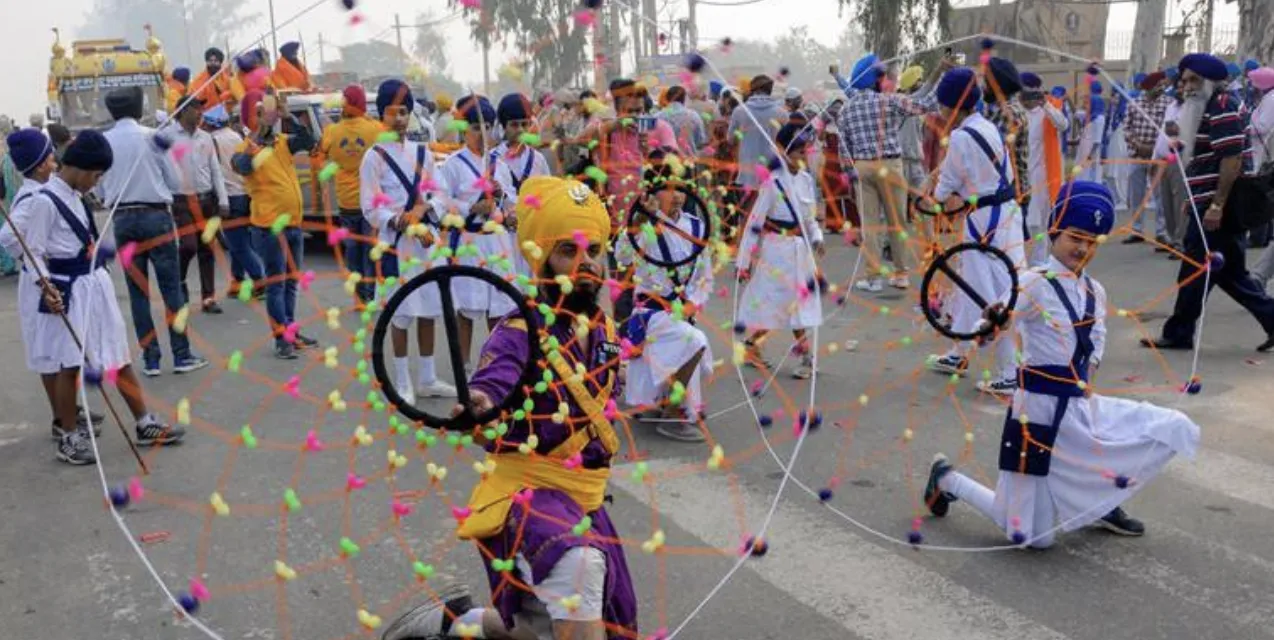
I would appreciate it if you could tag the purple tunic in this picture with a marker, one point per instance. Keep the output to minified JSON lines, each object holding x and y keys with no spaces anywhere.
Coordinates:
{"x":543,"y":540}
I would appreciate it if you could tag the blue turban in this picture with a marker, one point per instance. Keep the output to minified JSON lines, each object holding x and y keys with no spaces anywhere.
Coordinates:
{"x":1171,"y":73}
{"x":1138,"y":78}
{"x":1232,"y":70}
{"x":714,"y":89}
{"x":393,"y":93}
{"x":513,"y":107}
{"x":793,"y":135}
{"x":1006,"y":77}
{"x":1031,"y":81}
{"x":28,"y":148}
{"x":483,"y":112}
{"x":865,"y":73}
{"x":1204,"y":64}
{"x":1084,"y":206}
{"x":1058,"y":92}
{"x":182,"y":75}
{"x":89,"y":151}
{"x":1251,"y":65}
{"x":247,"y":61}
{"x":217,"y":116}
{"x":958,"y":89}
{"x":289,"y":49}
{"x":1095,"y":88}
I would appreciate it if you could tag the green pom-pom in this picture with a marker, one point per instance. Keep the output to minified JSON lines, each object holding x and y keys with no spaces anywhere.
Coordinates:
{"x":328,"y":171}
{"x":529,"y":139}
{"x":458,"y":126}
{"x":387,"y":136}
{"x":245,"y":290}
{"x":583,"y":527}
{"x":280,"y":223}
{"x":596,"y":174}
{"x":349,"y":547}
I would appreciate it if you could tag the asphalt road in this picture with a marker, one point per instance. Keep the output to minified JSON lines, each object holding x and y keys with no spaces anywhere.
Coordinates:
{"x":840,"y":569}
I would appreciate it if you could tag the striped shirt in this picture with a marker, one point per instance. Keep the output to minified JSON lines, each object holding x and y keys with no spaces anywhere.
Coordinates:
{"x":1222,"y":134}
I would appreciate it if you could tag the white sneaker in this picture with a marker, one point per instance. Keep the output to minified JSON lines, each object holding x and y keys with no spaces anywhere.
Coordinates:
{"x":900,"y":282}
{"x":873,"y":285}
{"x":1002,"y":388}
{"x":436,"y":389}
{"x":805,"y":370}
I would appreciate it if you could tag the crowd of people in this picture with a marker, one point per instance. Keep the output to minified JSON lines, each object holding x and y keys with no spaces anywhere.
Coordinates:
{"x":559,"y":189}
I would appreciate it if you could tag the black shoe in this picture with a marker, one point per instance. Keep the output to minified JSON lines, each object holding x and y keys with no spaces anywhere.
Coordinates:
{"x":83,"y":416}
{"x":152,"y":432}
{"x":433,"y":619}
{"x":939,"y":501}
{"x":305,"y":342}
{"x":1133,"y":239}
{"x":211,"y":307}
{"x":1119,"y":522}
{"x":284,"y":351}
{"x":1266,"y":346}
{"x":1166,"y":344}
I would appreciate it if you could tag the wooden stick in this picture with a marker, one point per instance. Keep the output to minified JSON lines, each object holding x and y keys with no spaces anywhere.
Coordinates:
{"x":44,"y":285}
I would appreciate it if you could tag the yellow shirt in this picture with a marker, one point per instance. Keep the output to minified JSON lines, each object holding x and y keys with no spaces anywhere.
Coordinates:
{"x":345,"y":143}
{"x":273,"y":185}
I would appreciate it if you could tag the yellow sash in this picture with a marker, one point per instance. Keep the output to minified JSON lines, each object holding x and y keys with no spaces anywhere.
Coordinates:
{"x":490,"y":501}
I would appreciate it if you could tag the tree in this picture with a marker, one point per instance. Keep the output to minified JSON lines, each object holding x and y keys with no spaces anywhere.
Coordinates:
{"x":1256,"y":30}
{"x":896,"y":26}
{"x":186,"y":27}
{"x":373,"y":58}
{"x":806,"y":59}
{"x":543,"y":32}
{"x":431,"y":45}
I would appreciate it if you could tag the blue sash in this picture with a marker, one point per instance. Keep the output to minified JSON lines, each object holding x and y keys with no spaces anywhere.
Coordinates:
{"x":1028,"y":448}
{"x":389,"y":261}
{"x":795,"y":223}
{"x":1003,"y":192}
{"x":68,"y":270}
{"x":472,"y":222}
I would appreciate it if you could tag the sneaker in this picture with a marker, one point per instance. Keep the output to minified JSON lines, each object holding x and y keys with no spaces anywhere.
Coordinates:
{"x":189,"y":363}
{"x":151,"y":432}
{"x":84,"y":415}
{"x":939,"y":501}
{"x":79,"y":426}
{"x":151,"y":368}
{"x":752,"y":357}
{"x":1003,"y":388}
{"x":74,"y":449}
{"x":950,"y":363}
{"x":436,"y":389}
{"x":304,"y":342}
{"x":1134,"y":239}
{"x":211,"y":307}
{"x":900,"y":282}
{"x":681,"y":431}
{"x":432,"y":619}
{"x":284,"y":350}
{"x":805,"y":370}
{"x":872,"y":285}
{"x":1119,"y":522}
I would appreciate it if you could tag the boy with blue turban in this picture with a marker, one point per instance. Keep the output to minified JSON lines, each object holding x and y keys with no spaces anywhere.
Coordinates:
{"x":71,"y":279}
{"x":515,"y":159}
{"x":1068,"y":458}
{"x":977,"y":171}
{"x":403,"y":213}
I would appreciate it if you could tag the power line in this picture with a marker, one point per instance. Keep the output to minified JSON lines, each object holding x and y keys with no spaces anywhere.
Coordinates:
{"x":741,"y":3}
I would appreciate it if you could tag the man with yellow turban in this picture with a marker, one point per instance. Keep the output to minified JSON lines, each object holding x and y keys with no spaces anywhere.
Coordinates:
{"x":538,"y":516}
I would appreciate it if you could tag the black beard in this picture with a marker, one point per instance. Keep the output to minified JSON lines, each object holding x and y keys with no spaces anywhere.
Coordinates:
{"x":581,"y":300}
{"x":213,"y":69}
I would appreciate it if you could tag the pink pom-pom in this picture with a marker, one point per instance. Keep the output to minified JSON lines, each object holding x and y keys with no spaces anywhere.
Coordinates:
{"x":573,"y":462}
{"x":687,"y":77}
{"x":381,"y":200}
{"x":723,"y":292}
{"x":400,"y":510}
{"x":111,"y":376}
{"x":985,"y":58}
{"x":353,"y":482}
{"x":802,"y":293}
{"x":762,"y":174}
{"x":428,"y":184}
{"x":335,"y":236}
{"x":1171,"y":158}
{"x":355,"y":19}
{"x":757,"y":386}
{"x":482,"y":184}
{"x":612,"y":410}
{"x":626,"y":349}
{"x":580,"y":238}
{"x":294,"y":386}
{"x":584,"y":18}
{"x":289,"y":333}
{"x":179,"y":151}
{"x":523,"y":496}
{"x":833,"y":482}
{"x":460,"y":513}
{"x":532,"y":201}
{"x":126,"y":254}
{"x":135,"y":489}
{"x":312,"y":442}
{"x":471,"y":4}
{"x":198,"y":590}
{"x":307,"y":279}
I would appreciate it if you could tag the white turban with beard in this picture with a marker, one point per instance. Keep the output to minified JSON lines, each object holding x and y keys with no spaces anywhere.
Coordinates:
{"x":1191,"y":115}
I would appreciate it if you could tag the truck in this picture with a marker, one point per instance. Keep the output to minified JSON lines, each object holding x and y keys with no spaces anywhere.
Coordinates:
{"x":80,"y":78}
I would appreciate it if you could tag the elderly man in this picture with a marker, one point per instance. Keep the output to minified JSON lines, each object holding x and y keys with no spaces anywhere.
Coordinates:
{"x":1211,"y":116}
{"x":1144,"y":121}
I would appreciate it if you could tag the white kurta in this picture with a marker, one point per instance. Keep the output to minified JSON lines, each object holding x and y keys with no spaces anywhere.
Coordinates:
{"x":1088,"y":151}
{"x":527,"y":164}
{"x":1099,"y":438}
{"x":966,"y":170}
{"x":784,"y":264}
{"x":670,"y":343}
{"x":93,"y":309}
{"x":458,"y":182}
{"x":376,"y":178}
{"x":1041,"y":204}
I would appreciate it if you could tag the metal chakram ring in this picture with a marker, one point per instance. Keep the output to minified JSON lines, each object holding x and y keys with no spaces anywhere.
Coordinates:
{"x":443,"y":276}
{"x":942,"y":263}
{"x":635,"y":213}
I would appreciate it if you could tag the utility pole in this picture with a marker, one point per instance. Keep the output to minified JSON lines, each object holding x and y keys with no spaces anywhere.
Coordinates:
{"x":398,"y":29}
{"x":692,"y":19}
{"x":322,"y":59}
{"x":615,"y":49}
{"x":486,"y":68}
{"x":1147,"y":38}
{"x":274,"y":32}
{"x":639,"y":43}
{"x":1205,"y":31}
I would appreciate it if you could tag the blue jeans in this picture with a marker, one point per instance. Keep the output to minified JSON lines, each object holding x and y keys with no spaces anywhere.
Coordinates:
{"x":243,"y":257}
{"x":142,"y":227}
{"x":357,"y":249}
{"x":282,"y":256}
{"x":1139,"y":191}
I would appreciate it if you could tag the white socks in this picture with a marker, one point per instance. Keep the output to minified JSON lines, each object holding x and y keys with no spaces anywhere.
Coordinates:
{"x":968,"y":490}
{"x":402,"y":374}
{"x":425,"y":370}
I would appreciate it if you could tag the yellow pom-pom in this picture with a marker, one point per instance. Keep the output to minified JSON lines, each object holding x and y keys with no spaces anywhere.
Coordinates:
{"x":181,"y":318}
{"x":283,"y":571}
{"x":368,"y":620}
{"x":218,"y":504}
{"x":210,"y":229}
{"x":334,"y":319}
{"x":183,"y":411}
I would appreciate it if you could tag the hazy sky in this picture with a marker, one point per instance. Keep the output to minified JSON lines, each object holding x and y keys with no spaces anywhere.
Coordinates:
{"x":27,"y":35}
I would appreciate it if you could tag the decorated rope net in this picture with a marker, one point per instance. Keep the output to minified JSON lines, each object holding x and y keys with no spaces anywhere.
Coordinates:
{"x":318,"y":489}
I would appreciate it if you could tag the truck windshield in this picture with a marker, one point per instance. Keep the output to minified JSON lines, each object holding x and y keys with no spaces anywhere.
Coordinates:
{"x":86,"y":108}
